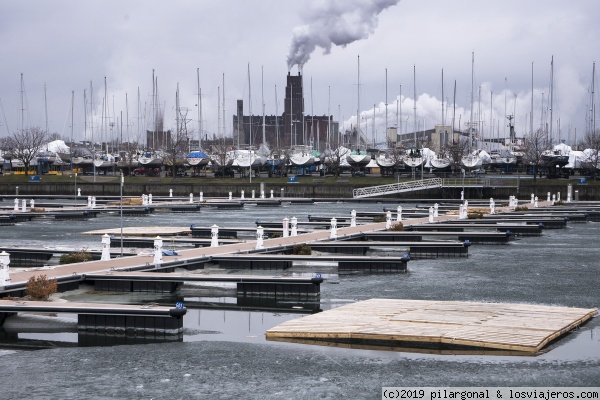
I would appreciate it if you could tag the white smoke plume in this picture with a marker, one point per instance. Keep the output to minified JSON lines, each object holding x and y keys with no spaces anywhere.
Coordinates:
{"x":335,"y":22}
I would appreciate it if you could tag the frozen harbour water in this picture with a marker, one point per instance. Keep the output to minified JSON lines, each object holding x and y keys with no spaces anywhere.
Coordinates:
{"x":224,"y":353}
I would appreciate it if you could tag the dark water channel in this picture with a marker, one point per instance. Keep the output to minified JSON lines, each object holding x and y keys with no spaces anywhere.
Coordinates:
{"x":223,"y":352}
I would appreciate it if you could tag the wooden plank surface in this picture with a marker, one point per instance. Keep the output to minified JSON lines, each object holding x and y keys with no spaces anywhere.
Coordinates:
{"x":502,"y":326}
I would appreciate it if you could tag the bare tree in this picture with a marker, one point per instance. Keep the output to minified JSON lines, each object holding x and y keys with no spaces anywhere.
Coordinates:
{"x":591,"y":155}
{"x":25,"y":144}
{"x":455,"y":151}
{"x":534,"y":145}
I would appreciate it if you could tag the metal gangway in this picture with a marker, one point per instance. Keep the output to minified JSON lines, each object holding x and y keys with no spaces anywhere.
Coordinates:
{"x":400,"y":187}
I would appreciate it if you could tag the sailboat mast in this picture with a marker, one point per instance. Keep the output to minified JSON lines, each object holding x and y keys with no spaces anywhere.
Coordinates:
{"x":250,"y":104}
{"x":199,"y":94}
{"x":386,"y":105}
{"x":415,"y":104}
{"x":443,"y":115}
{"x":593,"y":107}
{"x":472,"y":94}
{"x":400,"y":110}
{"x":358,"y":104}
{"x":224,"y":129}
{"x":276,"y":121}
{"x":531,"y":117}
{"x":46,"y":107}
{"x":22,"y":104}
{"x":262,"y":100}
{"x":551,"y":95}
{"x":328,"y":118}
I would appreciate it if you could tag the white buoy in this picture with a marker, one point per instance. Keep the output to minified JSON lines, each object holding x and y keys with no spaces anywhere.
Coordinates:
{"x":294,"y":222}
{"x":388,"y":220}
{"x":430,"y":214}
{"x":435,"y":210}
{"x":353,"y":218}
{"x":333,"y":233}
{"x":23,"y":205}
{"x":214,"y":236}
{"x":201,"y":197}
{"x":242,"y":195}
{"x":535,"y":202}
{"x":105,"y":248}
{"x":260,"y":231}
{"x":4,"y":269}
{"x":399,"y":214}
{"x":271,"y":193}
{"x":170,"y":192}
{"x":286,"y":227}
{"x":191,"y":197}
{"x":158,"y":255}
{"x":89,"y":204}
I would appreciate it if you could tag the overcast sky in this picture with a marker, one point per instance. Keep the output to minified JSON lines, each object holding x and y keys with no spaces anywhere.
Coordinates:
{"x":63,"y":45}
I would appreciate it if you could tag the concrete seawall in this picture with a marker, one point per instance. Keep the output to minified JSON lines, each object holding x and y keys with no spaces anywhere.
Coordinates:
{"x":307,"y":190}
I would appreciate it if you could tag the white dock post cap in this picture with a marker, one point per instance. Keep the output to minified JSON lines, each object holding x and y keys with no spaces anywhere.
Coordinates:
{"x":170,"y":192}
{"x":436,"y":210}
{"x":294,"y":222}
{"x":399,"y":214}
{"x":230,"y":196}
{"x":201,"y":197}
{"x":388,"y":220}
{"x":242,"y":195}
{"x":532,"y":198}
{"x":259,"y":237}
{"x":4,"y":259}
{"x":353,"y":218}
{"x":191,"y":197}
{"x":271,"y":193}
{"x":4,"y":268}
{"x":105,"y":248}
{"x":23,"y":205}
{"x":286,"y":227}
{"x":214,"y":233}
{"x":78,"y":192}
{"x":333,"y":234}
{"x":548,"y":196}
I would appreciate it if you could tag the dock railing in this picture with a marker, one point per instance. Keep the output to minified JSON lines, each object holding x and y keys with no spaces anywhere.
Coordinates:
{"x":410,"y":186}
{"x":466,"y":182}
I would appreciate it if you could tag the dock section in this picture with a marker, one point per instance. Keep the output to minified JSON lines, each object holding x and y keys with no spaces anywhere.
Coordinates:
{"x":436,"y":324}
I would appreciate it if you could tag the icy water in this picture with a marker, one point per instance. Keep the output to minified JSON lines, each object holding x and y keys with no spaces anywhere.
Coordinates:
{"x":223,"y":353}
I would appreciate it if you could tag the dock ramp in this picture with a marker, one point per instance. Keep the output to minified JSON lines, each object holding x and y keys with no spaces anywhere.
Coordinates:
{"x":400,"y":187}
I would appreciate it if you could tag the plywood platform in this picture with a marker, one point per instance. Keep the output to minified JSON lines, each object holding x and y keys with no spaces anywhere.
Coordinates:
{"x":420,"y":323}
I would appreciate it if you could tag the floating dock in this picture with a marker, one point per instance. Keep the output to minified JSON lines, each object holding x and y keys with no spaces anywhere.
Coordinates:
{"x":436,"y":324}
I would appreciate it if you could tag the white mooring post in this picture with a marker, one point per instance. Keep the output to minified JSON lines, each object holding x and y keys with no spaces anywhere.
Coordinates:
{"x":399,"y":214}
{"x":272,"y":193}
{"x":230,"y":196}
{"x":466,"y":207}
{"x":93,"y":201}
{"x":282,"y":193}
{"x":388,"y":220}
{"x":430,"y":214}
{"x":78,"y":192}
{"x":201,"y":197}
{"x":4,"y":269}
{"x":353,"y":218}
{"x":191,"y":197}
{"x":150,"y":199}
{"x":553,"y":199}
{"x":294,"y":222}
{"x":253,"y":193}
{"x":260,"y":231}
{"x":333,"y":234}
{"x":89,"y":204}
{"x":462,"y":195}
{"x":158,"y":255}
{"x":569,"y":193}
{"x":532,"y":198}
{"x":262,"y":194}
{"x":548,"y":200}
{"x":31,"y":203}
{"x":492,"y":206}
{"x":23,"y":205}
{"x":105,"y":248}
{"x":16,"y":204}
{"x":170,"y":192}
{"x":558,"y":196}
{"x":436,"y":210}
{"x":535,"y":202}
{"x":242,"y":195}
{"x":286,"y":227}
{"x":214,"y":236}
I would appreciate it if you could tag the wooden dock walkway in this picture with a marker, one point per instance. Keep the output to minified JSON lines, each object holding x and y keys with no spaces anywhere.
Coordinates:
{"x":443,"y":324}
